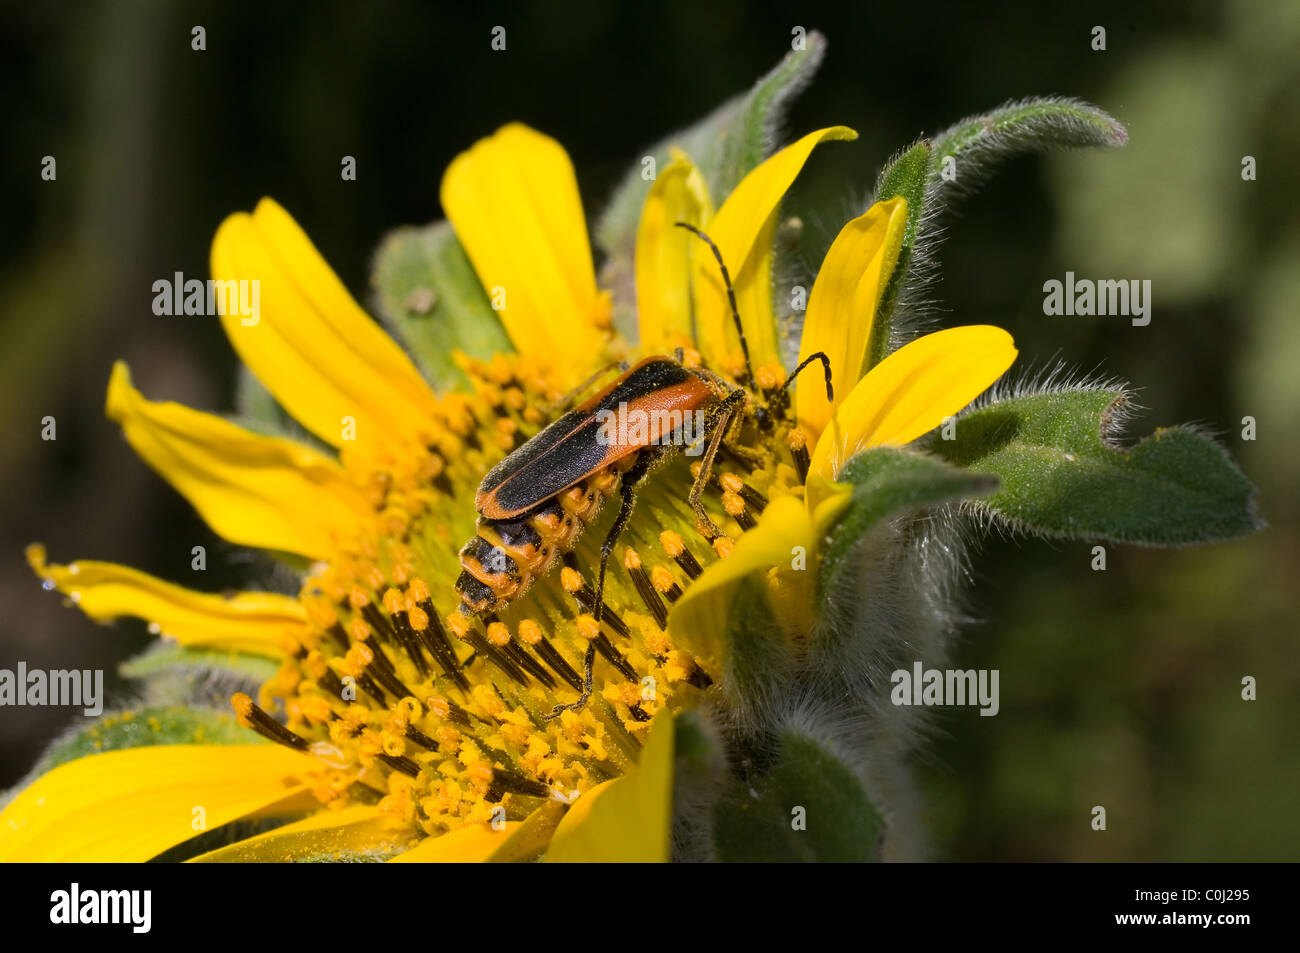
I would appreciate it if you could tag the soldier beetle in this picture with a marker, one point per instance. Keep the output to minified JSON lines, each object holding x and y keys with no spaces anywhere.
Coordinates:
{"x":536,"y":502}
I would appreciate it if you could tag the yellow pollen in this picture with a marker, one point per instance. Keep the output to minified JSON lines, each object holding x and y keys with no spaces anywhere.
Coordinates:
{"x":480,"y":775}
{"x":733,"y":504}
{"x":588,"y":627}
{"x":359,"y":629}
{"x":315,"y":709}
{"x":672,"y":543}
{"x":418,"y":590}
{"x":530,"y":632}
{"x":417,"y":618}
{"x":242,"y":704}
{"x":393,"y":602}
{"x":627,"y":693}
{"x":458,"y":624}
{"x":314,"y":665}
{"x":722,"y":546}
{"x":769,"y":376}
{"x":489,"y":701}
{"x":358,"y":599}
{"x":438,"y":706}
{"x":571,"y":580}
{"x":662,"y":579}
{"x":657,"y":643}
{"x":731,"y":483}
{"x":796,"y":439}
{"x":631,"y":559}
{"x":679,"y":666}
{"x":320,"y":613}
{"x":498,"y":634}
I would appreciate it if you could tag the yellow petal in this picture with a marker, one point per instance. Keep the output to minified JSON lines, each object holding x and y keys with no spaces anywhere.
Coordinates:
{"x":664,"y":253}
{"x":743,"y":230}
{"x":356,"y":831}
{"x":468,"y":845}
{"x":513,"y":201}
{"x":843,"y":303}
{"x":911,"y":391}
{"x":134,"y":804}
{"x":628,"y":819}
{"x":253,"y":622}
{"x":258,"y":491}
{"x":313,"y":347}
{"x":529,"y":839}
{"x":785,"y":530}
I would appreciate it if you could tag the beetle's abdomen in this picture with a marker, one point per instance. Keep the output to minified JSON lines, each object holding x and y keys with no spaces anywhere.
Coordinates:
{"x":507,"y":555}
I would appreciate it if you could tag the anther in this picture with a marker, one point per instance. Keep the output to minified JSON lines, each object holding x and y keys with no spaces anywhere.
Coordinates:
{"x":585,"y":596}
{"x":251,"y":716}
{"x":396,"y":608}
{"x":676,"y":548}
{"x":798,"y":442}
{"x":664,"y":582}
{"x":734,"y":505}
{"x":734,"y":484}
{"x":531,"y":634}
{"x":644,"y":587}
{"x":499,"y":637}
{"x":463,"y":630}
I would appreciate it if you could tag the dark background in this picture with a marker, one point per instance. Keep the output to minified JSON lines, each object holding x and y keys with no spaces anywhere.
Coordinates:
{"x":1119,"y":688}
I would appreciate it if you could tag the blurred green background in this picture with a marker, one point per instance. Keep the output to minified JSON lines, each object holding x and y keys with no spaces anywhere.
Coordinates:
{"x":1119,"y":688}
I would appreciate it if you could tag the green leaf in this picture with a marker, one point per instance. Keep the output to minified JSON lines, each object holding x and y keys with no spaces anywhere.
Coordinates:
{"x":172,"y":659}
{"x":430,"y":297}
{"x":906,"y":175}
{"x":977,"y":143}
{"x":1064,"y":474}
{"x":809,"y":786}
{"x":726,"y":145}
{"x":887,"y":482}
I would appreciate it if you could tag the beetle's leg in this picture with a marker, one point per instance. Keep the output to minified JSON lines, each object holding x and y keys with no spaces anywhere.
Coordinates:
{"x":722,"y":422}
{"x":589,"y":662}
{"x":627,"y":488}
{"x":569,"y":399}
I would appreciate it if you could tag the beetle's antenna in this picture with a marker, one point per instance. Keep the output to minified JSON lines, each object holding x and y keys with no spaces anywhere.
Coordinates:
{"x":826,"y":363}
{"x":731,"y":293}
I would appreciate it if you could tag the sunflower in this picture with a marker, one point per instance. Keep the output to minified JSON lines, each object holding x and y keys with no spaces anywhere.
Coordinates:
{"x":404,"y":727}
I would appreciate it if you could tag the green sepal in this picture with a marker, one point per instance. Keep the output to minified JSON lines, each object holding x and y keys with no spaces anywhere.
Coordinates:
{"x":172,"y":659}
{"x":886,"y":482}
{"x":977,"y":143}
{"x":755,"y":818}
{"x":906,"y":175}
{"x":158,"y":725}
{"x":429,"y":295}
{"x":1064,"y":474}
{"x":741,"y":629}
{"x":725,"y":146}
